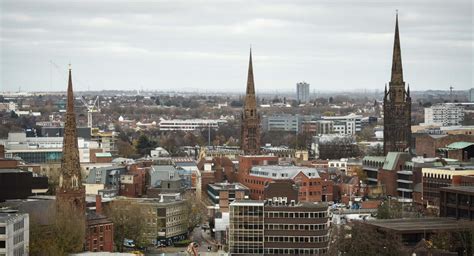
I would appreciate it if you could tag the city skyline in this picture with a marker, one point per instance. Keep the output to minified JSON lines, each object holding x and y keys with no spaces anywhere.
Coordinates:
{"x":152,"y":47}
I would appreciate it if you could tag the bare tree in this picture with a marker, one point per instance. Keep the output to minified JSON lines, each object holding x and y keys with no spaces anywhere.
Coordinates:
{"x":129,"y":221}
{"x":64,"y":235}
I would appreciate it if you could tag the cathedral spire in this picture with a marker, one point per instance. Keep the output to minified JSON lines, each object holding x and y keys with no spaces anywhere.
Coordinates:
{"x":250,"y":82}
{"x":70,"y":177}
{"x":397,"y":72}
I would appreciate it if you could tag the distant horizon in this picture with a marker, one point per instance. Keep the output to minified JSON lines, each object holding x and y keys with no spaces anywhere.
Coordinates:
{"x":174,"y":44}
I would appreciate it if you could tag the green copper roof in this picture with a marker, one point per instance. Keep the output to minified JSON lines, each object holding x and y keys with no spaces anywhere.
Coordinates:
{"x":460,"y":145}
{"x":103,"y":155}
{"x":391,"y":160}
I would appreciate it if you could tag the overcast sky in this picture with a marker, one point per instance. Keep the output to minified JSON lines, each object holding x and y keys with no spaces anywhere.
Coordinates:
{"x":204,"y":45}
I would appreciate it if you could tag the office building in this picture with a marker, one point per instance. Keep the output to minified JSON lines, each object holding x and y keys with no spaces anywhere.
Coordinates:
{"x":344,"y":125}
{"x":457,"y":202}
{"x":445,"y":114}
{"x":302,"y":92}
{"x":14,"y":234}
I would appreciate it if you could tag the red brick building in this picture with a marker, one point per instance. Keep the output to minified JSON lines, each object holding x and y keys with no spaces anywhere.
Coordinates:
{"x":312,"y":187}
{"x":132,"y":183}
{"x":428,"y":145}
{"x":100,"y":230}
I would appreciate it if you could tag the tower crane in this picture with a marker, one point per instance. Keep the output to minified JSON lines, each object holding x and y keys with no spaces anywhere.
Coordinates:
{"x":91,"y":108}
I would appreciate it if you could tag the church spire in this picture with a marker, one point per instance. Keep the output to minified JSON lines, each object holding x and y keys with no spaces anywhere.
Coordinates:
{"x":397,"y":72}
{"x":70,"y":177}
{"x":250,"y":82}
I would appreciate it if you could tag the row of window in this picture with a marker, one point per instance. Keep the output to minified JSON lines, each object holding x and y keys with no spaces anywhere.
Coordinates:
{"x":101,"y":228}
{"x":295,"y":226}
{"x":306,"y":215}
{"x":297,"y":239}
{"x":298,"y":251}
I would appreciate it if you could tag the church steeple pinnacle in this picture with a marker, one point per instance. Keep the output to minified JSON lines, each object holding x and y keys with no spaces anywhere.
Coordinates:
{"x":250,"y":81}
{"x":397,"y":71}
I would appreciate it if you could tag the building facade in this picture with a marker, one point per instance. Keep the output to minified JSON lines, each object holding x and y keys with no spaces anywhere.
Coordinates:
{"x":312,"y":187}
{"x":287,"y":123}
{"x":250,"y":131}
{"x":446,"y":114}
{"x":302,"y":92}
{"x":222,"y":194}
{"x":397,"y":105}
{"x":278,"y":225}
{"x":14,"y":234}
{"x":457,"y":202}
{"x":436,"y":178}
{"x":190,"y":124}
{"x":344,"y":125}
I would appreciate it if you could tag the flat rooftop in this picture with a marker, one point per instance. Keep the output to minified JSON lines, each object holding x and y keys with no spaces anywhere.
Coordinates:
{"x":228,"y":186}
{"x":422,"y":224}
{"x":248,"y":203}
{"x":469,"y":189}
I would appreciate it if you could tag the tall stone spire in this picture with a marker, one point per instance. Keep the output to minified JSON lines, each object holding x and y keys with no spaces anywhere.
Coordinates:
{"x":250,"y":82}
{"x":70,"y":191}
{"x":250,"y":132}
{"x":397,"y":71}
{"x":397,"y":105}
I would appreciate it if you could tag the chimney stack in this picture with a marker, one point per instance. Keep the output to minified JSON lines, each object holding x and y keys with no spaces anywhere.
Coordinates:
{"x":98,"y":204}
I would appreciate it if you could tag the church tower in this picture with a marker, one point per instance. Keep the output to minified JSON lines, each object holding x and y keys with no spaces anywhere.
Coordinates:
{"x":397,"y":105}
{"x":250,"y":132}
{"x":71,"y":192}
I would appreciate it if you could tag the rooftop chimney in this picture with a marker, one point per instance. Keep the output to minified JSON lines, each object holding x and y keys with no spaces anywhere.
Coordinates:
{"x":98,"y":204}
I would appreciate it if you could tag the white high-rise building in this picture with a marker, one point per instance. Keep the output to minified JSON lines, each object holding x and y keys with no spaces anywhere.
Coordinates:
{"x":14,"y":234}
{"x":302,"y":92}
{"x":446,"y":114}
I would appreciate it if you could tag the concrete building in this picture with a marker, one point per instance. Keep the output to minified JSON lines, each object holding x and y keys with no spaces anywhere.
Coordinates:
{"x":435,"y":178}
{"x":349,"y":124}
{"x":246,"y":228}
{"x":287,"y":123}
{"x":302,"y":92}
{"x":14,"y":234}
{"x":189,"y":124}
{"x":278,"y":225}
{"x":166,"y":220}
{"x":397,"y":174}
{"x":446,"y":114}
{"x":457,"y":202}
{"x":222,"y":194}
{"x":44,"y":149}
{"x":412,"y":231}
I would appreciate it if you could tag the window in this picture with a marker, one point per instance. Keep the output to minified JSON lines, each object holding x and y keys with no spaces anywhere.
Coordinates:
{"x":2,"y":244}
{"x":2,"y":230}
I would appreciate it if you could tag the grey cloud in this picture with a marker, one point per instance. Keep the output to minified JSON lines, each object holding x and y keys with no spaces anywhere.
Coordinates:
{"x":161,"y":45}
